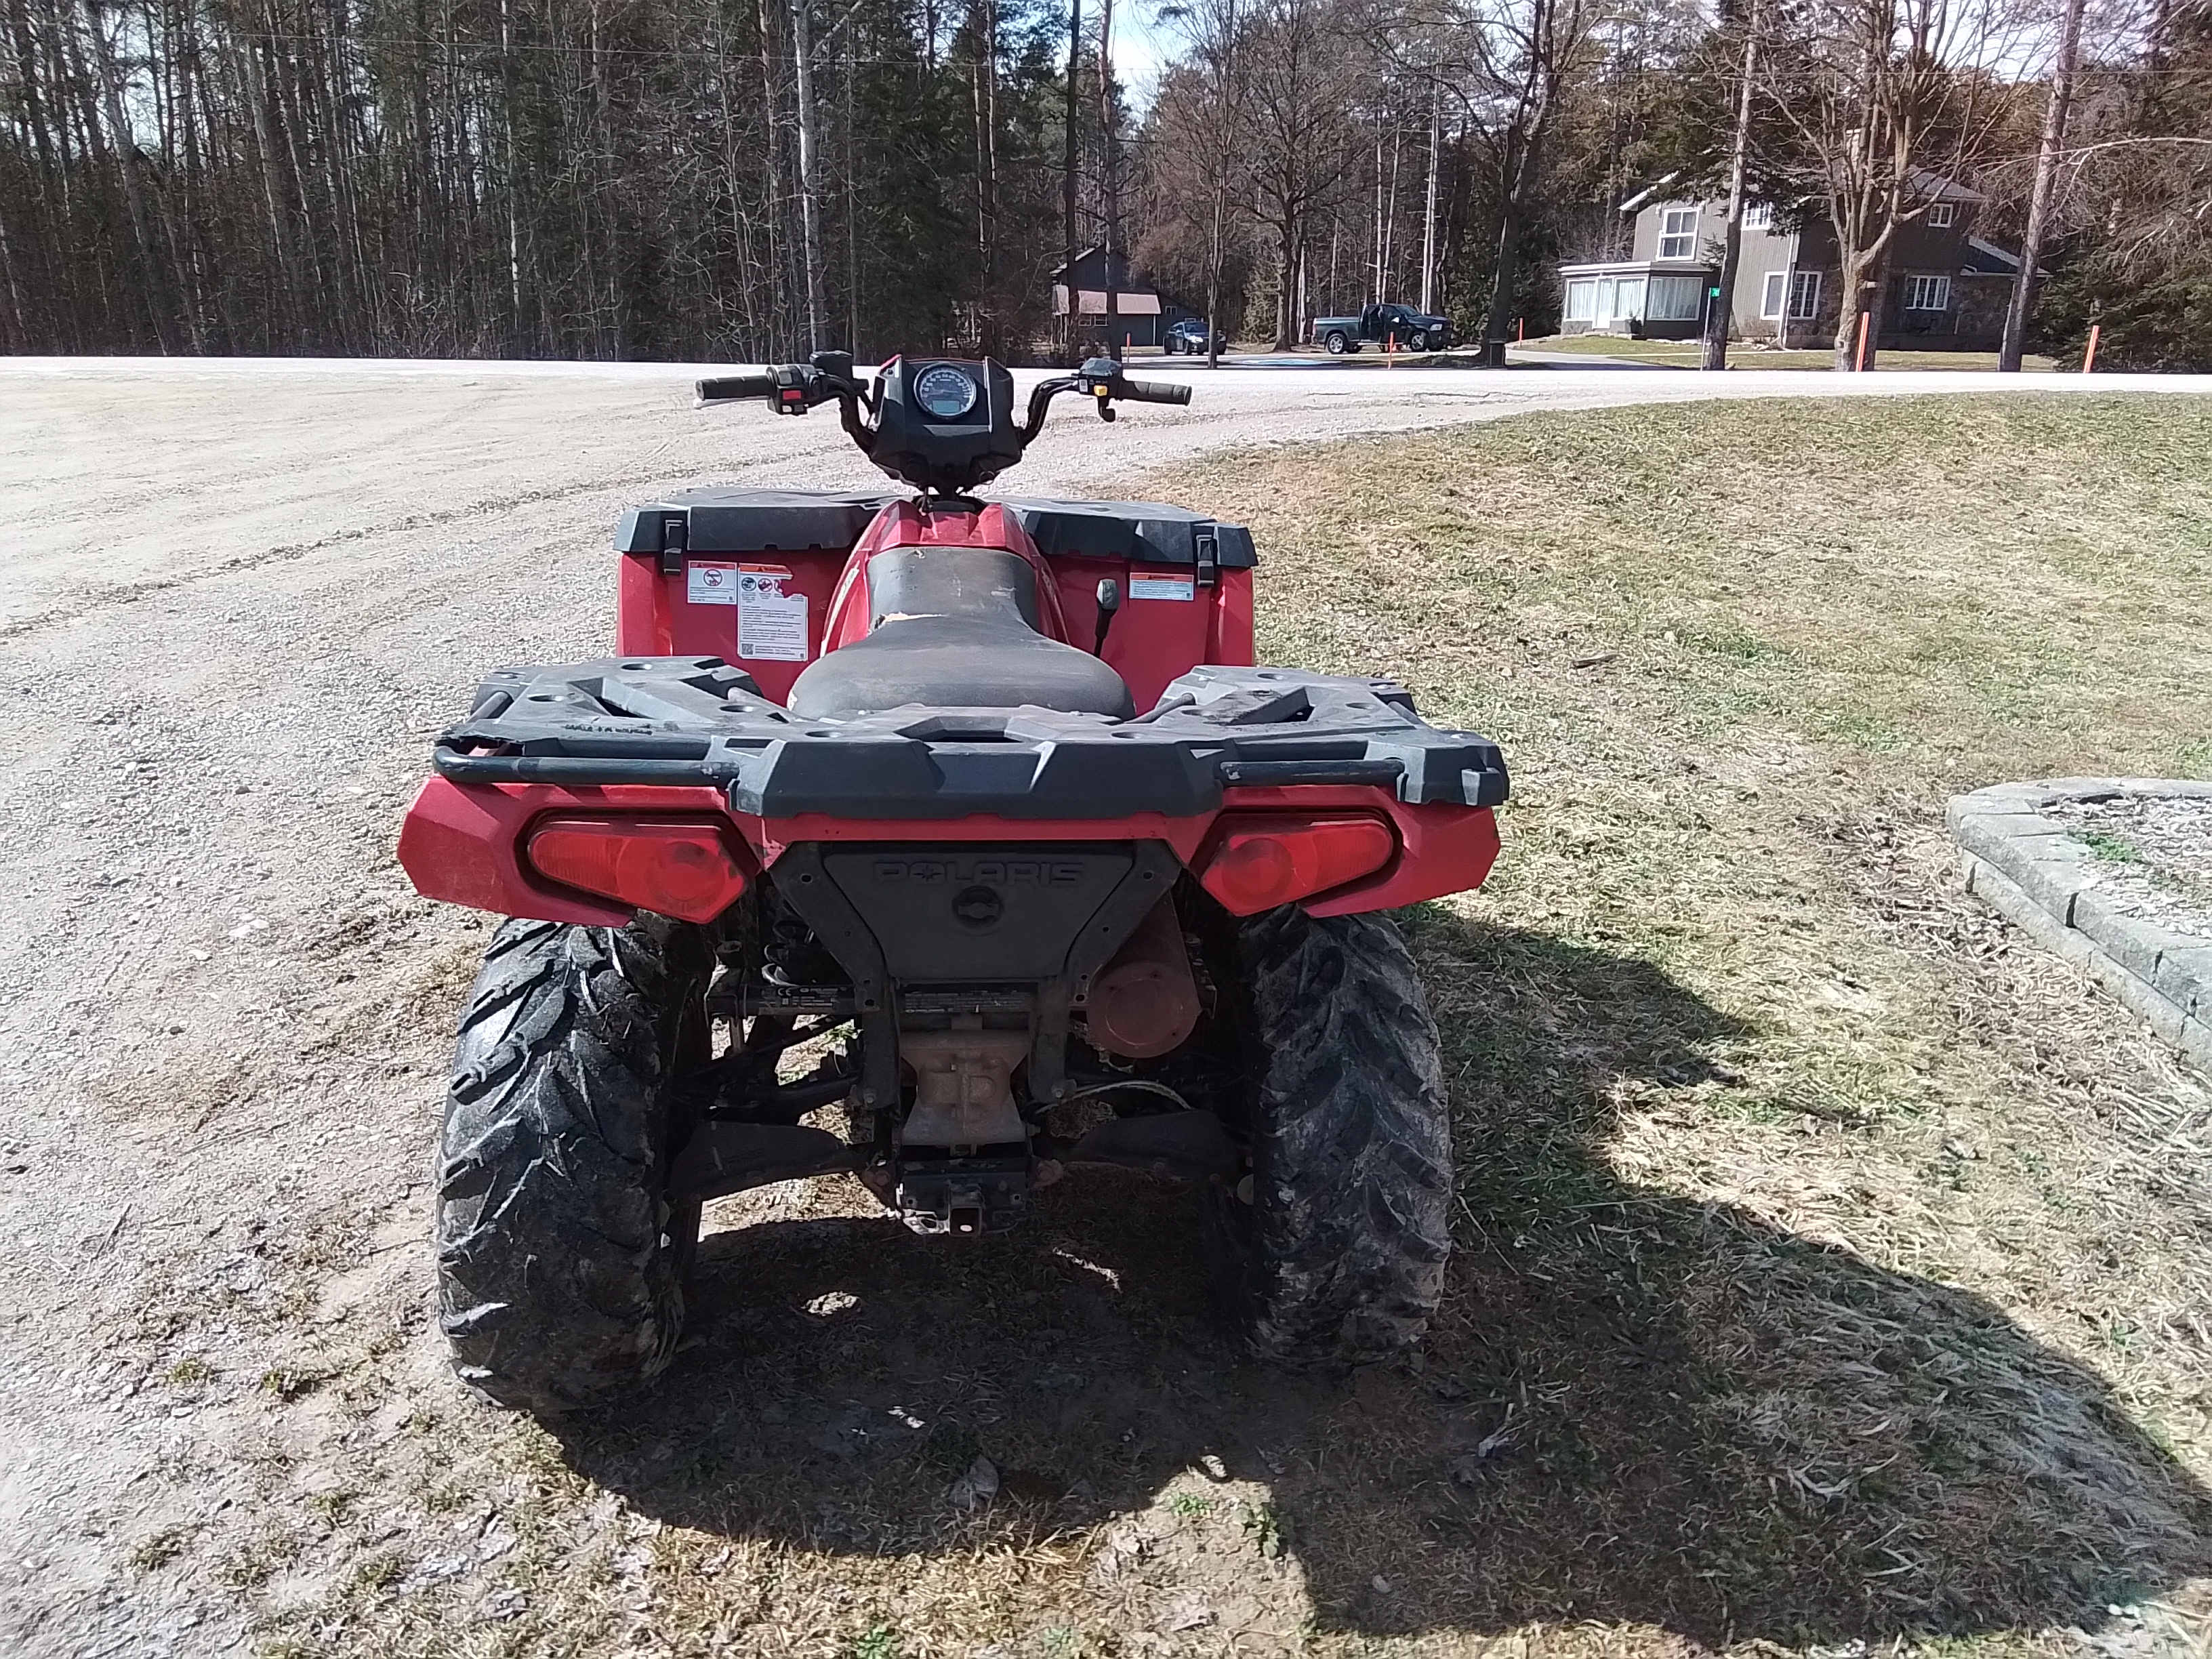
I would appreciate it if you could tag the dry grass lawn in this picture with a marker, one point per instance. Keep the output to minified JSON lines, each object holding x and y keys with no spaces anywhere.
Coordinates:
{"x":1834,"y":1271}
{"x":1683,"y":353}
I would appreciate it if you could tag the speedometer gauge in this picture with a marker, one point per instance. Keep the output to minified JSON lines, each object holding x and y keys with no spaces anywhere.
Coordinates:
{"x":945,"y":391}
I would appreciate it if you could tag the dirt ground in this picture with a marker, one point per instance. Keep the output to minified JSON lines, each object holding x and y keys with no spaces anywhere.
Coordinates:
{"x":239,"y":601}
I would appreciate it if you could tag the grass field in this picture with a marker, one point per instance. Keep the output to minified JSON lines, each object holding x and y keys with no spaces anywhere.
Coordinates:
{"x":1683,"y":353}
{"x":1834,"y":1270}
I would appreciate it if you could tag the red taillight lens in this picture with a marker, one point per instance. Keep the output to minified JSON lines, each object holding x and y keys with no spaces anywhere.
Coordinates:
{"x":673,"y":867}
{"x":1260,"y":862}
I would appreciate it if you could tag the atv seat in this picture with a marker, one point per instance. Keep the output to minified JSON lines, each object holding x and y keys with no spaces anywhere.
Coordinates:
{"x":955,"y":627}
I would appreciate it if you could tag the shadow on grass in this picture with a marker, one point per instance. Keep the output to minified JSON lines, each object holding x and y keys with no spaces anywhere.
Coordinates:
{"x":1633,"y":1407}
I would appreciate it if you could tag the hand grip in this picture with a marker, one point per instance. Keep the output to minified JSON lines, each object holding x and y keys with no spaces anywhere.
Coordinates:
{"x":733,"y":387}
{"x":1154,"y":392}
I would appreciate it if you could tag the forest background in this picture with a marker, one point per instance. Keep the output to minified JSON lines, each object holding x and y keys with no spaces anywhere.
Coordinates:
{"x":743,"y":179}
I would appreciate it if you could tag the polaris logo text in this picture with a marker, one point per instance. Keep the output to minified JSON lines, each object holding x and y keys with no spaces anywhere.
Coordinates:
{"x":1009,"y":873}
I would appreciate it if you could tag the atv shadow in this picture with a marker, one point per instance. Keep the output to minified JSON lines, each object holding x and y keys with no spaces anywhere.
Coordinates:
{"x":1633,"y":1407}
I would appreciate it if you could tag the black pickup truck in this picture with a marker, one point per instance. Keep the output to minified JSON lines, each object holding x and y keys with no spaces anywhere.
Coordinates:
{"x":1385,"y":324}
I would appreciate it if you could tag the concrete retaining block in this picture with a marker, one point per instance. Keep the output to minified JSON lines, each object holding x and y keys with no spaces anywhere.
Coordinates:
{"x":2027,"y":867}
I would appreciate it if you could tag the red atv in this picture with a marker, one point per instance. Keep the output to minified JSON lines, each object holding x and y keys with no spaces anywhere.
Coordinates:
{"x":866,"y":815}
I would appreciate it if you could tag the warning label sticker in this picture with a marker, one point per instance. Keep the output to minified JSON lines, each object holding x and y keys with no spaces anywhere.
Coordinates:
{"x":1160,"y":587}
{"x":771,"y":623}
{"x":711,"y":581}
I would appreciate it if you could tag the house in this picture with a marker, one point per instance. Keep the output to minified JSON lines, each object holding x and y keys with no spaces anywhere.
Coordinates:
{"x":1142,"y":316}
{"x":1947,"y":290}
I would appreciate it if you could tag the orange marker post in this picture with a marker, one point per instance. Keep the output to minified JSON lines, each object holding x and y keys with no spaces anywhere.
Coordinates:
{"x":1390,"y":349}
{"x":2089,"y":357}
{"x":1520,"y":329}
{"x":1858,"y":365}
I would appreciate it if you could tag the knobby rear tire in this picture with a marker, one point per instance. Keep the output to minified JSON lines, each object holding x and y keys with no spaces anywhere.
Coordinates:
{"x":1336,"y":1255}
{"x":561,"y":1256}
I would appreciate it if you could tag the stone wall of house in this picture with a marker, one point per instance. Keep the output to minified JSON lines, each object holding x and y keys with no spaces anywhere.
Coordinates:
{"x":1979,"y":302}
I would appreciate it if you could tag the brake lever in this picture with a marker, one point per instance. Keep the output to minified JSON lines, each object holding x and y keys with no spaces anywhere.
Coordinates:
{"x":1041,"y":396}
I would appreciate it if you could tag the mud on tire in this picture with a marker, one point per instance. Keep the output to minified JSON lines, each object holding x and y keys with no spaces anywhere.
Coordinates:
{"x":561,"y":1259}
{"x":1339,"y":1255}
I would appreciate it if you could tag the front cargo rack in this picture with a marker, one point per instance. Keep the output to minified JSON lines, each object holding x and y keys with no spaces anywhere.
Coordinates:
{"x":699,"y":721}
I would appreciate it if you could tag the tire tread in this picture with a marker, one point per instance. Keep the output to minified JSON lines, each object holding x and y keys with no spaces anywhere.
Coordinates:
{"x":1350,"y":1229}
{"x":559,"y":1275}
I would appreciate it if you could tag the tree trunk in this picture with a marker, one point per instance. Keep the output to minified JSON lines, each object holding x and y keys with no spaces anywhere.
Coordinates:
{"x":1429,"y":210}
{"x":1715,"y":354}
{"x":2038,"y":201}
{"x":810,"y":139}
{"x":130,"y":163}
{"x":1110,"y":180}
{"x":1068,"y":172}
{"x":987,"y":208}
{"x":1862,"y":279}
{"x":518,"y":324}
{"x":1226,"y":139}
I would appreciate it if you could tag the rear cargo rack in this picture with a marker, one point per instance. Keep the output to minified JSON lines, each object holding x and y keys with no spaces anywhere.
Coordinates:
{"x":698,"y":721}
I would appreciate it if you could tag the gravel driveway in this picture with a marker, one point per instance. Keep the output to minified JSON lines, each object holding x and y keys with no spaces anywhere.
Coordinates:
{"x":240,"y":600}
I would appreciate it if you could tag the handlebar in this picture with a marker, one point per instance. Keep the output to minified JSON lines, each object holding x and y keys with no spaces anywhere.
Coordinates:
{"x":733,"y":387}
{"x":955,"y":455}
{"x":1152,"y":392}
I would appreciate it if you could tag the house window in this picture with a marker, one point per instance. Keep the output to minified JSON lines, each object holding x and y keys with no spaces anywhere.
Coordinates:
{"x":1928,"y":293}
{"x":1581,"y":301}
{"x":1675,"y":298}
{"x":1630,"y":300}
{"x":1759,"y":215}
{"x":1942,"y":216}
{"x":1804,"y":288}
{"x":1678,"y":233}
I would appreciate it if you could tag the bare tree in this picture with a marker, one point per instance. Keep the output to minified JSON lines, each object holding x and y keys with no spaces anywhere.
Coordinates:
{"x":2039,"y":203}
{"x":1508,"y":62}
{"x":1069,"y":175}
{"x":1301,"y":78}
{"x":1207,"y":111}
{"x":1883,"y":100}
{"x":1718,"y":306}
{"x":1109,"y":175}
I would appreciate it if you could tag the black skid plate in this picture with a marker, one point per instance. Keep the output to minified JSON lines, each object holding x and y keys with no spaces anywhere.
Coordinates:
{"x":696,"y":720}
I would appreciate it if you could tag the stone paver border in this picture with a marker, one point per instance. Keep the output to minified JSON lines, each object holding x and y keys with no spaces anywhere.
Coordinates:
{"x":2031,"y":868}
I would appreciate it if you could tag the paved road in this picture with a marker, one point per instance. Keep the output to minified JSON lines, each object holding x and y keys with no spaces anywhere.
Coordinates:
{"x":240,"y":597}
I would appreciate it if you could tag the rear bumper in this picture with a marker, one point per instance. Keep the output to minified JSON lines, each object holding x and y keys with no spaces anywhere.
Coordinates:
{"x":463,"y":843}
{"x":697,"y":722}
{"x":692,"y":736}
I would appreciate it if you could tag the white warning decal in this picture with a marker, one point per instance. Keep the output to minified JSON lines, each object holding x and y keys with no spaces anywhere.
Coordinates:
{"x":711,"y":581}
{"x":1160,"y":587}
{"x":771,"y":623}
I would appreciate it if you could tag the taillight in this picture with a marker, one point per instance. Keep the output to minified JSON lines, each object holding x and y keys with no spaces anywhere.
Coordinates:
{"x":671,"y":866}
{"x":1260,"y":862}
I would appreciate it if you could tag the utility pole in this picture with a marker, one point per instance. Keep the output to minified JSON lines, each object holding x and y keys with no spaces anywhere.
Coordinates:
{"x":1429,"y":213}
{"x":2039,"y":201}
{"x":1718,"y":306}
{"x":1109,"y":179}
{"x":1067,"y":181}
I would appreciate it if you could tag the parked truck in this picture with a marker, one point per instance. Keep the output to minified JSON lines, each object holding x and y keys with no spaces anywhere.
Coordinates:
{"x":1400,"y":326}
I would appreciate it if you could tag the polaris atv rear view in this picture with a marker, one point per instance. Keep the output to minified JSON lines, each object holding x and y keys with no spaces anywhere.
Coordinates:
{"x":975,"y":820}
